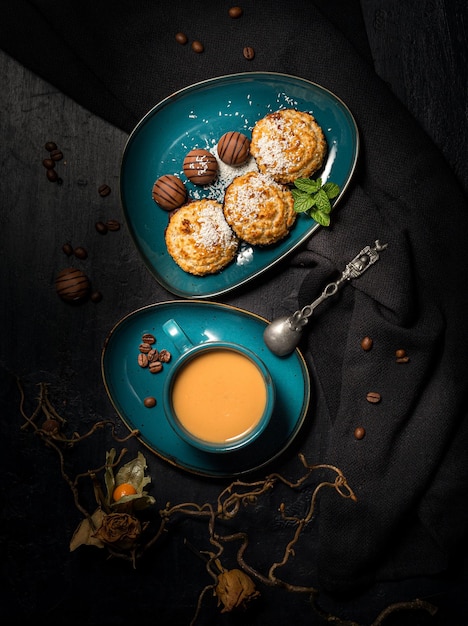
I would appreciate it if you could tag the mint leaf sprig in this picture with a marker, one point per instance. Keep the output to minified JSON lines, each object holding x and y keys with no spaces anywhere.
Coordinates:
{"x":313,"y":198}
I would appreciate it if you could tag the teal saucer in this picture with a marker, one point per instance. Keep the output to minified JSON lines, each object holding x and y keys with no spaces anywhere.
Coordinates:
{"x":197,"y":117}
{"x":128,"y":384}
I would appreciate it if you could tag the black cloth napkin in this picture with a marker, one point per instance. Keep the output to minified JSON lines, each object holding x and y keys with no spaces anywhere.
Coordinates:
{"x":410,"y":470}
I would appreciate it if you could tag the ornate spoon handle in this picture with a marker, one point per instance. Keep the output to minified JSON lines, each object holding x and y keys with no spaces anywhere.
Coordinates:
{"x":355,"y":268}
{"x":283,"y":334}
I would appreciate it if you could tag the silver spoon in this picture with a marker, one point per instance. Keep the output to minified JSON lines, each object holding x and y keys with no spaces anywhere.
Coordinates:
{"x":283,"y":334}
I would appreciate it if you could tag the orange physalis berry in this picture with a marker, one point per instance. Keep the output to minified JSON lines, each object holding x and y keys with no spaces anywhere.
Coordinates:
{"x":125,"y":489}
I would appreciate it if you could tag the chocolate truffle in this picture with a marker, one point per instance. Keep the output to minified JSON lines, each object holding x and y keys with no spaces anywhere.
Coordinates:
{"x":200,"y":167}
{"x":234,"y":148}
{"x":72,"y":284}
{"x":169,"y":192}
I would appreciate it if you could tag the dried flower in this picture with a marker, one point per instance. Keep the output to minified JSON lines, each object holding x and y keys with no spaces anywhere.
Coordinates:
{"x":235,"y":589}
{"x":119,"y":530}
{"x":132,"y":473}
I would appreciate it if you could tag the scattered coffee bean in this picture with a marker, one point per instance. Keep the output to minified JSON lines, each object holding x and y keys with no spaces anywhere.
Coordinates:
{"x":235,"y":12}
{"x":49,"y":164}
{"x":113,"y":225}
{"x":52,"y":175}
{"x":104,"y":190}
{"x":56,"y":155}
{"x":149,"y":402}
{"x":164,"y":356}
{"x":153,"y":355}
{"x":96,"y":297}
{"x":149,"y":356}
{"x":181,"y":38}
{"x":400,"y":353}
{"x":366,"y":343}
{"x":155,"y":367}
{"x":249,"y":53}
{"x":101,"y":228}
{"x":359,"y":432}
{"x":50,"y":146}
{"x":81,"y":253}
{"x":373,"y":397}
{"x":403,"y":359}
{"x":142,"y":360}
{"x":68,"y":249}
{"x":198,"y":47}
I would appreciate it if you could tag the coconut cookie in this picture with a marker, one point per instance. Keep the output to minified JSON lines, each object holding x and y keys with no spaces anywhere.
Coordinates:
{"x":288,"y":144}
{"x":259,"y":210}
{"x":199,"y":239}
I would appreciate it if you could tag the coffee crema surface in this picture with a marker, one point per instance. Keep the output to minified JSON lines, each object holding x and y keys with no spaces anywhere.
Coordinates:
{"x":219,"y":396}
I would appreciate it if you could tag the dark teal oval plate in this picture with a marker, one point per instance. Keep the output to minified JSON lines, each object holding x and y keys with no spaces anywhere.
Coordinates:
{"x":196,"y":117}
{"x":128,"y":384}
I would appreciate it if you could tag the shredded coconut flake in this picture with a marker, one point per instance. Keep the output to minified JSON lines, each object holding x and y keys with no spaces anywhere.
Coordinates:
{"x":251,"y":198}
{"x":214,"y":230}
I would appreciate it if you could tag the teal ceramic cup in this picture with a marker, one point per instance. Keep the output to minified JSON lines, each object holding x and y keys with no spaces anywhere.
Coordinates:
{"x":218,"y":396}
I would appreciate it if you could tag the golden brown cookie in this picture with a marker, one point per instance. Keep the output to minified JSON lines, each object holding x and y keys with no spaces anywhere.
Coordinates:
{"x":288,"y":144}
{"x":259,"y":210}
{"x":199,"y":239}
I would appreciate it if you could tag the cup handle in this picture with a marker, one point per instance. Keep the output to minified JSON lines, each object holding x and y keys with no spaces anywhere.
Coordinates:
{"x":177,"y":335}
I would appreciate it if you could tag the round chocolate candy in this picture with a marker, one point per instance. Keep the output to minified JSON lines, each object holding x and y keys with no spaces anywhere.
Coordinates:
{"x":72,"y":284}
{"x":169,"y":192}
{"x":234,"y":148}
{"x":200,"y":167}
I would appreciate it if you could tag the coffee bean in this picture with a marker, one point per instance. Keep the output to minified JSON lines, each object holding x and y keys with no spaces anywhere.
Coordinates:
{"x":148,"y":338}
{"x":373,"y":397}
{"x":235,"y":12}
{"x":96,"y":297}
{"x":81,"y":253}
{"x":249,"y":53}
{"x":144,"y":347}
{"x":197,"y":47}
{"x":52,"y":175}
{"x":50,"y":146}
{"x":181,"y":38}
{"x":149,"y":402}
{"x":359,"y":432}
{"x":101,"y":228}
{"x":153,"y":355}
{"x":366,"y":343}
{"x":113,"y":225}
{"x":165,"y":356}
{"x":56,"y":155}
{"x":142,"y":360}
{"x":155,"y":367}
{"x":49,"y":164}
{"x":68,"y":249}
